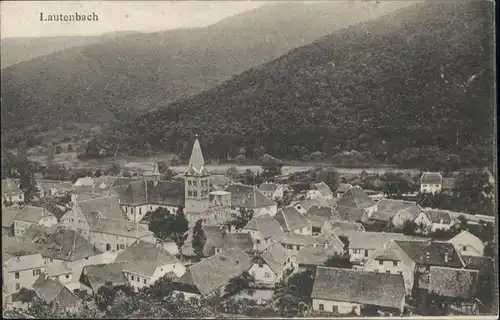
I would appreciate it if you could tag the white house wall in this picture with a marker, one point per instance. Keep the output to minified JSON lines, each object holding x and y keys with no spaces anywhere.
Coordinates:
{"x":342,"y":307}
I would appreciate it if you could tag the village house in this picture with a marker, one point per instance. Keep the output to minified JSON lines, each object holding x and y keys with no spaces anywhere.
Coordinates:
{"x":273,"y":191}
{"x":304,"y":205}
{"x":344,"y":291}
{"x":293,"y":243}
{"x":355,"y":197}
{"x":56,"y":188}
{"x":312,"y":255}
{"x":84,"y":182}
{"x":21,"y":264}
{"x":94,"y":277}
{"x":30,"y":215}
{"x":434,"y":220}
{"x":38,"y":233}
{"x":249,"y":197}
{"x":73,"y":250}
{"x":468,"y":244}
{"x":391,"y":259}
{"x":397,"y":211}
{"x":8,"y":215}
{"x":103,"y":222}
{"x":211,"y":276}
{"x":353,"y":214}
{"x":320,"y":190}
{"x":363,"y":244}
{"x":292,"y":221}
{"x":144,"y":263}
{"x":11,"y":193}
{"x":262,"y":229}
{"x":321,"y":218}
{"x":218,"y":239}
{"x":344,"y":229}
{"x":61,"y":271}
{"x":343,"y":187}
{"x":53,"y":291}
{"x":271,"y":266}
{"x":456,"y":286}
{"x":431,"y":182}
{"x":141,"y":196}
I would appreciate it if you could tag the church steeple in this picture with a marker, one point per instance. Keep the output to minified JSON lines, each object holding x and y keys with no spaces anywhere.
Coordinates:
{"x":196,"y":159}
{"x":156,"y":171}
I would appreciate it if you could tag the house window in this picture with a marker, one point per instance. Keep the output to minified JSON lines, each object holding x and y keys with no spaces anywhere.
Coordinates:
{"x":16,"y":275}
{"x":321,"y":307}
{"x":335,"y":309}
{"x":67,"y":276}
{"x":138,"y":279}
{"x":18,"y":286}
{"x":117,"y":247}
{"x":400,"y":272}
{"x":217,"y":250}
{"x":195,"y":193}
{"x":464,"y":248}
{"x":267,"y":274}
{"x":388,"y":271}
{"x":51,"y":260}
{"x":257,"y":241}
{"x":132,"y":277}
{"x":381,"y":262}
{"x":144,"y":281}
{"x":140,"y":209}
{"x":37,"y":272}
{"x":395,"y":263}
{"x":261,"y":265}
{"x":366,"y":253}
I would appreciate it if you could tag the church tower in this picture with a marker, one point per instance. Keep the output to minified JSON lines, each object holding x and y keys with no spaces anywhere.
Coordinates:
{"x":197,"y":185}
{"x":155,"y":175}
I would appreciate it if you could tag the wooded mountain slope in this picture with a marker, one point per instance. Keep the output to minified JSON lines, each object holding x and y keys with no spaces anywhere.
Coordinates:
{"x":421,"y":77}
{"x":119,"y":78}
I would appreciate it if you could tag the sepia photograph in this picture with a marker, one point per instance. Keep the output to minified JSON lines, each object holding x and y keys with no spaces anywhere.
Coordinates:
{"x":249,"y":159}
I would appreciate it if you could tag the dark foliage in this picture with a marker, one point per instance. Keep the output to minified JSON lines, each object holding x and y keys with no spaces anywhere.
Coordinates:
{"x":199,"y":239}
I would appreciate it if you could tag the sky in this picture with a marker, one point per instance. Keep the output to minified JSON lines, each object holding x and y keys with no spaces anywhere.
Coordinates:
{"x":22,"y":18}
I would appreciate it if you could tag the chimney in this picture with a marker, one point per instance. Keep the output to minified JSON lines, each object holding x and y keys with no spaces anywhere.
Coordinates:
{"x":446,"y":257}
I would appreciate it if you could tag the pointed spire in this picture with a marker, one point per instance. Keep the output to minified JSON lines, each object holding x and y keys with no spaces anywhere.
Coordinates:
{"x":196,"y":159}
{"x":156,"y":169}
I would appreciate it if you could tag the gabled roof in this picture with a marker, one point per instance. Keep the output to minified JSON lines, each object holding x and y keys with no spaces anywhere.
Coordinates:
{"x":143,"y":191}
{"x":38,"y":233}
{"x":291,"y":219}
{"x":386,"y":254}
{"x":325,"y":212}
{"x":8,"y":215}
{"x":118,"y":227}
{"x":467,"y":238}
{"x":85,"y":181}
{"x":352,"y":214}
{"x":108,"y":207}
{"x":431,"y":178}
{"x":450,"y":282}
{"x":431,"y":253}
{"x":342,"y":226}
{"x":266,"y":224}
{"x":355,"y":197}
{"x":15,"y":247}
{"x":58,"y":268}
{"x":316,"y":255}
{"x":52,"y":290}
{"x":98,"y":275}
{"x":308,"y":203}
{"x":298,"y":239}
{"x":268,"y":187}
{"x":216,"y":271}
{"x":33,"y":214}
{"x":383,"y":216}
{"x":485,"y":265}
{"x":394,"y":206}
{"x":408,"y":214}
{"x":439,"y":216}
{"x":248,"y":197}
{"x":343,"y":187}
{"x":346,"y":285}
{"x":143,"y":258}
{"x":68,"y":245}
{"x":275,"y":257}
{"x":10,"y":187}
{"x":323,"y":189}
{"x":375,"y":240}
{"x":217,"y":239}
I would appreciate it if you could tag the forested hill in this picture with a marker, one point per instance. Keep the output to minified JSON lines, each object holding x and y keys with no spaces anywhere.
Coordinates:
{"x":121,"y":77}
{"x":413,"y":83}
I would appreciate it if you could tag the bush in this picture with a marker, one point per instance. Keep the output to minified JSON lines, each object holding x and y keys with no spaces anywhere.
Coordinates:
{"x":240,"y":159}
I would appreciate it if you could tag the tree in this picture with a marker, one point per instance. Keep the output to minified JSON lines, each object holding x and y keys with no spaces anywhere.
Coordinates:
{"x":114,"y":169}
{"x":97,"y":173}
{"x":338,"y":261}
{"x":241,"y":219}
{"x":175,"y":160}
{"x":238,"y":283}
{"x":70,"y":148}
{"x":330,"y":176}
{"x":199,"y":239}
{"x":232,"y":172}
{"x":59,"y":149}
{"x":179,"y":228}
{"x":409,"y":227}
{"x":26,"y":295}
{"x":105,"y":297}
{"x":162,"y":223}
{"x":27,"y":182}
{"x":271,"y":166}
